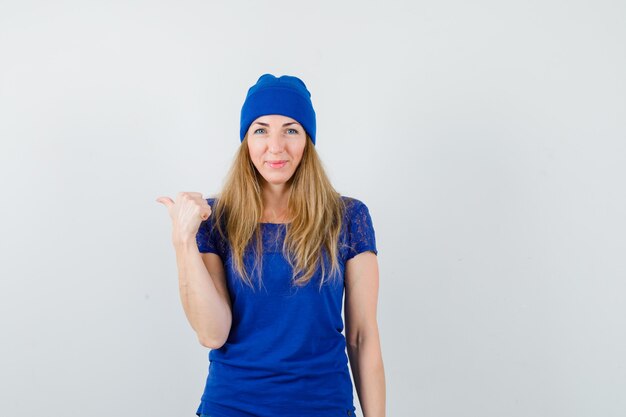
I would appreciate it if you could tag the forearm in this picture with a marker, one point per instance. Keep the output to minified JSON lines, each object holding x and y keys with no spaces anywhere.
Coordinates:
{"x":369,"y":376}
{"x":206,"y":310}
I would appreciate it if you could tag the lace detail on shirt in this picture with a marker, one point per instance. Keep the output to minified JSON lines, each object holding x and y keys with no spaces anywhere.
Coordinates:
{"x":208,"y":237}
{"x":359,"y":233}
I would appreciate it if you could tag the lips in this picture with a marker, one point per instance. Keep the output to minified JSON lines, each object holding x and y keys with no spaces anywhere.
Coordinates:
{"x":276,"y":164}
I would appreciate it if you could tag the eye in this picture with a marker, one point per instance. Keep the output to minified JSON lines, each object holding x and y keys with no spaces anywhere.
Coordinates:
{"x":293,"y":130}
{"x":258,"y":129}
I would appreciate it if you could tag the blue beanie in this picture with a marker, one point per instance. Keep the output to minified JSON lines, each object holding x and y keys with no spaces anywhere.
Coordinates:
{"x":286,"y":95}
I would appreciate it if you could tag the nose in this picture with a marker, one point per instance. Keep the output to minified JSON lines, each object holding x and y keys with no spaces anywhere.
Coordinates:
{"x":276,"y":142}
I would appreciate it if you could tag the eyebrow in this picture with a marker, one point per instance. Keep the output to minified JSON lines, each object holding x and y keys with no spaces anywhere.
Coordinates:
{"x":286,"y":124}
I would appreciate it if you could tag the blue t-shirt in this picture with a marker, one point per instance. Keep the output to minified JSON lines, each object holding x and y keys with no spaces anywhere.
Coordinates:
{"x":285,"y":354}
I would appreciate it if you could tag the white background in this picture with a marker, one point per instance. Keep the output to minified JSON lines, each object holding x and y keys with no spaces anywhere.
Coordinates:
{"x":487,"y":139}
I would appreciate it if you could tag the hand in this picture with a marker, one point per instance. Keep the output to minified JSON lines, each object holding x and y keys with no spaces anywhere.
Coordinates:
{"x":189,"y":210}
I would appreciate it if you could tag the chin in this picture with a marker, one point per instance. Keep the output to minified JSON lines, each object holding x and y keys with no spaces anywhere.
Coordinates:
{"x":277,"y":181}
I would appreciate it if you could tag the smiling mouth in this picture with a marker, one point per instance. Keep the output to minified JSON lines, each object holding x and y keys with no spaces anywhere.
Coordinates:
{"x":276,"y":164}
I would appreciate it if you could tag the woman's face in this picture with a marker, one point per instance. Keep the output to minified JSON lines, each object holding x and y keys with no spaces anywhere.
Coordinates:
{"x":276,"y":144}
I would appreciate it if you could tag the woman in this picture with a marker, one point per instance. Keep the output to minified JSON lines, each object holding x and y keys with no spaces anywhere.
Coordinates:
{"x":263,"y":267}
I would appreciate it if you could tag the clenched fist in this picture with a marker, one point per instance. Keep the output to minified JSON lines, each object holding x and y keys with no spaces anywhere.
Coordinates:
{"x":187,"y":212}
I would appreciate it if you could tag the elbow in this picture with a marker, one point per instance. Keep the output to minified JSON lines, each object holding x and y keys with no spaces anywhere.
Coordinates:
{"x":211,"y":343}
{"x":352,"y":345}
{"x":204,"y":342}
{"x":216,"y":338}
{"x":353,"y":340}
{"x":356,"y":338}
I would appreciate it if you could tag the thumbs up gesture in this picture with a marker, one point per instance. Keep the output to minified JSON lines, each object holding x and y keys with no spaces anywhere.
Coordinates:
{"x":187,"y":212}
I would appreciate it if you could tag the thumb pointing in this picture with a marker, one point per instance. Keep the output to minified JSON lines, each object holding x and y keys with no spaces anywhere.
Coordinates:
{"x":168,"y":202}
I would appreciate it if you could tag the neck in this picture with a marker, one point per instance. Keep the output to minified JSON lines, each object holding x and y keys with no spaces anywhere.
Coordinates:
{"x":275,"y":202}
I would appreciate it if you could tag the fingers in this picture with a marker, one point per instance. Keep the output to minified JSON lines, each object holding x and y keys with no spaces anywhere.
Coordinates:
{"x":206,"y":212}
{"x":189,"y":194}
{"x":189,"y":199}
{"x":168,"y":202}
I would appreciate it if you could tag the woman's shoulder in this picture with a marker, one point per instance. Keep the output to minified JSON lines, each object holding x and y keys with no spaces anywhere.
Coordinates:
{"x":351,"y":202}
{"x":359,"y":227}
{"x":354,"y":207}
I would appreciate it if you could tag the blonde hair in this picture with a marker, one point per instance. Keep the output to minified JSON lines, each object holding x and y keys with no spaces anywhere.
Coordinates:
{"x":315,"y":207}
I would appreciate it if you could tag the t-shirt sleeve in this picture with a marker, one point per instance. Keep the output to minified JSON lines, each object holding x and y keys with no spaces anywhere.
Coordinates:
{"x":361,"y":235}
{"x":206,"y":236}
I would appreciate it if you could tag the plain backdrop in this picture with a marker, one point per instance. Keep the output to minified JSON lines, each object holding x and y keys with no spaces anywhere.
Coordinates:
{"x":487,"y":139}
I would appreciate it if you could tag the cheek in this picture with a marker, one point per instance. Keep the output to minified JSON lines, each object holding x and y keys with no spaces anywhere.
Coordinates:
{"x":297,"y":150}
{"x":255,"y":152}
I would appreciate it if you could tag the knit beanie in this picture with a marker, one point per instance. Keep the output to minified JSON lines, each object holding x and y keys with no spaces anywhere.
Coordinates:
{"x":286,"y":95}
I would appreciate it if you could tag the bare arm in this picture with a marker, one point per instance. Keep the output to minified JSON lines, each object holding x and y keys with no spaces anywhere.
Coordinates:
{"x":363,"y":342}
{"x":204,"y":294}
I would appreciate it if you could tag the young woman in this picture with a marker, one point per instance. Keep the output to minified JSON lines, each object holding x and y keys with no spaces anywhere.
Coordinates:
{"x":263,"y":267}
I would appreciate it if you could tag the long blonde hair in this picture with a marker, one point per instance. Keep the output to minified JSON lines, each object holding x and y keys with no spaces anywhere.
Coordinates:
{"x":315,"y":207}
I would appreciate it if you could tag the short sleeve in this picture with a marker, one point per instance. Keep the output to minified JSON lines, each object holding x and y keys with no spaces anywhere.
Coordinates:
{"x":361,"y":235}
{"x":206,"y":236}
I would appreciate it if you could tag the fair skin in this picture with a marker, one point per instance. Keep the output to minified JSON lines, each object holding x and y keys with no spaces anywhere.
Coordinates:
{"x":362,"y":338}
{"x":274,"y":138}
{"x":204,"y":291}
